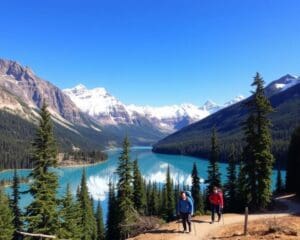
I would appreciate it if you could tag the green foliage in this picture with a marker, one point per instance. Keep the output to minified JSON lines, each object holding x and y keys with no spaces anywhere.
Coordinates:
{"x":99,"y":221}
{"x":125,"y":192}
{"x":17,"y":134}
{"x":139,"y":195}
{"x":257,"y":157}
{"x":15,"y":142}
{"x":87,"y":221}
{"x":214,"y":175}
{"x":293,"y":165}
{"x":14,"y":203}
{"x":42,"y":213}
{"x":89,"y":157}
{"x":69,"y":215}
{"x":196,"y":191}
{"x":168,"y":201}
{"x":112,"y":231}
{"x":231,"y":184}
{"x":154,"y":200}
{"x":192,"y":140}
{"x":6,"y":218}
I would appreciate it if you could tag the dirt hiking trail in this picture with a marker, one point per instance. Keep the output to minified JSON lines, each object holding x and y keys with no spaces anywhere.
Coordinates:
{"x":201,"y":227}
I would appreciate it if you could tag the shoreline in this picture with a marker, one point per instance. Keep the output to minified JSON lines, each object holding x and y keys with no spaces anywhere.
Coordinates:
{"x":77,"y":165}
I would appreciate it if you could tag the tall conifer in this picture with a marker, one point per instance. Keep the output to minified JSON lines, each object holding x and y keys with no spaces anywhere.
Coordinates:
{"x":139,"y":194}
{"x":70,"y":217}
{"x":14,"y":202}
{"x":293,"y":164}
{"x":42,"y":212}
{"x":87,"y":221}
{"x":214,"y":175}
{"x":100,"y":224}
{"x":257,"y":156}
{"x":125,"y":191}
{"x":6,"y":218}
{"x":231,"y":184}
{"x":112,"y":230}
{"x":196,"y":191}
{"x":168,"y":198}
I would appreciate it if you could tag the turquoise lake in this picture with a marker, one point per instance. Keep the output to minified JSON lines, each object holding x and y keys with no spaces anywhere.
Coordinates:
{"x":153,"y":167}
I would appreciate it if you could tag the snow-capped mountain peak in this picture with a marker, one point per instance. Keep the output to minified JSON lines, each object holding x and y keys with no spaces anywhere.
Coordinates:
{"x":209,"y":105}
{"x":107,"y":109}
{"x":282,"y":84}
{"x":235,"y":100}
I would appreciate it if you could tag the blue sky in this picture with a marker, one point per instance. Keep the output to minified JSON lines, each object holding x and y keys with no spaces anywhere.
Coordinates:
{"x":154,"y":52}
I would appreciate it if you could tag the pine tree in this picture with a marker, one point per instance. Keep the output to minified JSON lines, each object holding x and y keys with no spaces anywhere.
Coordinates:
{"x":293,"y":164}
{"x":154,"y":200}
{"x":112,"y":231}
{"x":139,"y":195}
{"x":42,"y":213}
{"x":6,"y":218}
{"x":87,"y":221}
{"x":15,"y":204}
{"x":124,"y":187}
{"x":243,"y":195}
{"x":69,"y":214}
{"x":100,"y":224}
{"x":148,"y":189}
{"x":257,"y":156}
{"x":168,"y":198}
{"x":196,"y":191}
{"x":279,"y":184}
{"x":231,"y":184}
{"x":214,"y":175}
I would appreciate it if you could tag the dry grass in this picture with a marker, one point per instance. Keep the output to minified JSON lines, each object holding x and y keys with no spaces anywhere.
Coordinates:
{"x":286,"y":228}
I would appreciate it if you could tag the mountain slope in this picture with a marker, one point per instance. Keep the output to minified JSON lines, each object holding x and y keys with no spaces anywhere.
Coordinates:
{"x":21,"y":95}
{"x":195,"y":138}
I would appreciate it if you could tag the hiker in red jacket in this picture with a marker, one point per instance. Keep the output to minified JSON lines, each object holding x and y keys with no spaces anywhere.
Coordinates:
{"x":217,"y":203}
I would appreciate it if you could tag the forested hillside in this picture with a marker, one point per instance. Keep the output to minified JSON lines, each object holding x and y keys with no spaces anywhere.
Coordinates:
{"x":193,"y":140}
{"x":17,"y":135}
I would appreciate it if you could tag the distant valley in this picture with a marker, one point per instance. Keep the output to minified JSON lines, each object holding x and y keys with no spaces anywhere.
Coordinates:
{"x":93,"y":119}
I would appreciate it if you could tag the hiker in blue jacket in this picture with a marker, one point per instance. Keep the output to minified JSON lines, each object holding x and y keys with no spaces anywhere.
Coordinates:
{"x":184,"y":210}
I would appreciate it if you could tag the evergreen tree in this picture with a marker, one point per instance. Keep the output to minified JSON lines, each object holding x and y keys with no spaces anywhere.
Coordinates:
{"x":139,"y":195}
{"x":243,"y":195}
{"x":42,"y":213}
{"x":168,"y":198}
{"x":87,"y":221}
{"x":154,"y":200}
{"x":112,"y":231}
{"x":15,"y":204}
{"x":279,"y":184}
{"x":196,"y":191}
{"x":214,"y":175}
{"x":231,"y":184}
{"x":6,"y":218}
{"x":293,"y":164}
{"x":257,"y":156}
{"x":124,"y":187}
{"x":100,"y":224}
{"x":69,"y":214}
{"x":70,"y":227}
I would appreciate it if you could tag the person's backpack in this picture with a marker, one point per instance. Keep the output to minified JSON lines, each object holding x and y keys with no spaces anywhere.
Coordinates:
{"x":191,"y":200}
